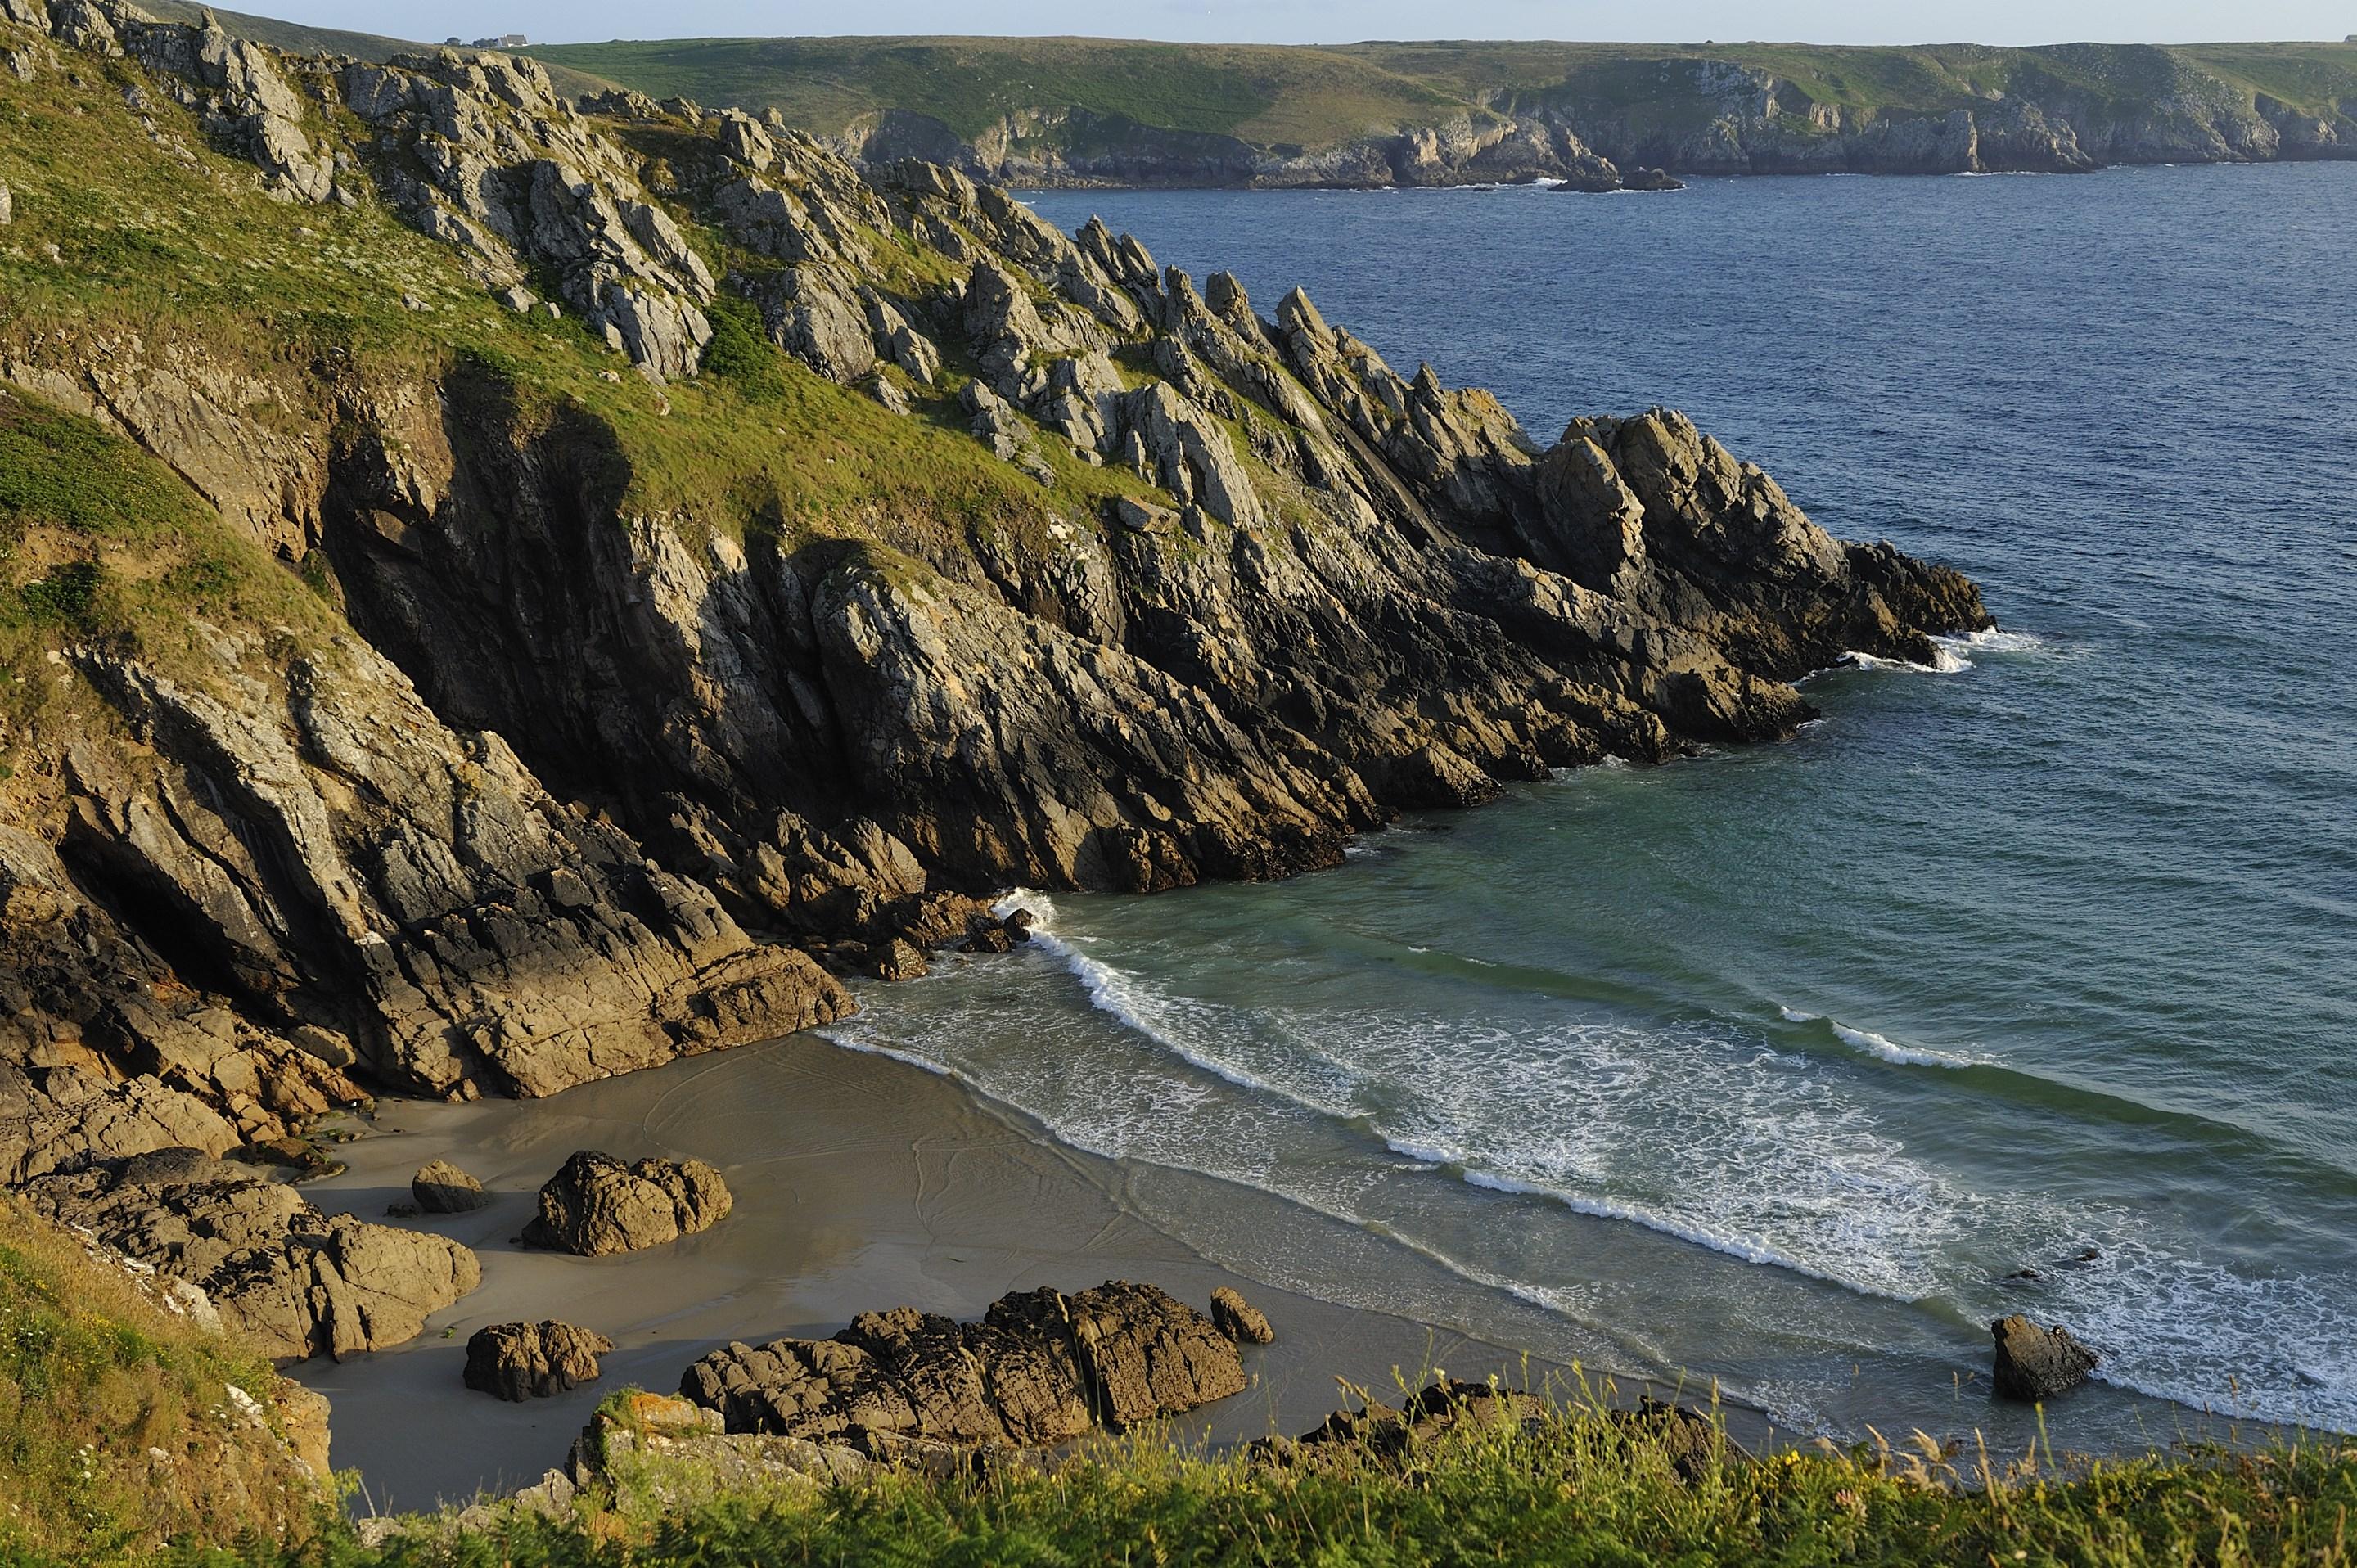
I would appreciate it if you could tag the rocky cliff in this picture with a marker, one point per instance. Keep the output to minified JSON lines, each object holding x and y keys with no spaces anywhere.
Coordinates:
{"x":639,"y":568}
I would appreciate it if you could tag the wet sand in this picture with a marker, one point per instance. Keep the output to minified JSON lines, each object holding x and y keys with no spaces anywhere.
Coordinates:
{"x":860,"y":1182}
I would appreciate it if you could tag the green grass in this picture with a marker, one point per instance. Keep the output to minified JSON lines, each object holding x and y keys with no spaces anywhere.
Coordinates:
{"x":116,"y":1429}
{"x":1581,"y":1486}
{"x":1320,"y":96}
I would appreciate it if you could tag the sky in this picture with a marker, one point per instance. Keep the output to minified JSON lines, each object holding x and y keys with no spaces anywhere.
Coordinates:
{"x":1338,"y":21}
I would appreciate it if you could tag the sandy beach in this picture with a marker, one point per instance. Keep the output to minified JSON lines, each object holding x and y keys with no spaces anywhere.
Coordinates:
{"x":860,"y":1182}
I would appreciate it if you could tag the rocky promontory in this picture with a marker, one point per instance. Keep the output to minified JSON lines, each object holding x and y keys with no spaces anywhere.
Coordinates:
{"x":599,"y":578}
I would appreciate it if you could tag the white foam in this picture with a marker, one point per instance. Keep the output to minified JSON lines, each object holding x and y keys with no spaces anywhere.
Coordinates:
{"x":850,"y":1042}
{"x":1944,"y":662}
{"x":1794,"y":1016}
{"x":1994,"y":640}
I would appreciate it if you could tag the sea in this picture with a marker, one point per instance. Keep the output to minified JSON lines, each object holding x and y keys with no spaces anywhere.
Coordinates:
{"x":2026,"y":982}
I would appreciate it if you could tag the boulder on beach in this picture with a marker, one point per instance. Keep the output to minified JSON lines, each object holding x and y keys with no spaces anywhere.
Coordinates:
{"x":442,"y":1187}
{"x":596,"y":1205}
{"x":1040,"y":1369}
{"x":1239,"y":1319}
{"x":517,"y":1361}
{"x":2034,"y":1363}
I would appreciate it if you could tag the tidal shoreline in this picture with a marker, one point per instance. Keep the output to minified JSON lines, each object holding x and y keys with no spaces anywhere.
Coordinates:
{"x":861,"y":1182}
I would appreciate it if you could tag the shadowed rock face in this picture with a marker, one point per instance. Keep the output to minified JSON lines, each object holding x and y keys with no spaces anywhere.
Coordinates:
{"x":441,"y":1188}
{"x":596,"y":1205}
{"x":1040,"y":1369}
{"x":574,"y":791}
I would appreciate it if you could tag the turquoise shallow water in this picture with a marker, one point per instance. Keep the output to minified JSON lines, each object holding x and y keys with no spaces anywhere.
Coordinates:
{"x":1775,"y":1064}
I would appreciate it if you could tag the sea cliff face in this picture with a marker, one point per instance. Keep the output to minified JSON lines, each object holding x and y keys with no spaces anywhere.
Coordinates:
{"x":548,"y":783}
{"x":1082,"y":113}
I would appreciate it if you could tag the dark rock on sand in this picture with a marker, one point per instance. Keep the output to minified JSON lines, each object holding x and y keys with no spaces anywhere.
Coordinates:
{"x":596,"y":1205}
{"x":1040,"y":1369}
{"x":292,"y":1280}
{"x":442,"y":1187}
{"x":519,"y":1361}
{"x":1239,"y":1319}
{"x":2034,"y":1363}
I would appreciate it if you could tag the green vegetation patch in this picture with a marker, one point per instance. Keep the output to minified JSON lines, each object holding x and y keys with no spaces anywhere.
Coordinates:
{"x":118,"y":1431}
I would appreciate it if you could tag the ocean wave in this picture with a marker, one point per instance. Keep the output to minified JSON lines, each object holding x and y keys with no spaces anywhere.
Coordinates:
{"x":1882,"y":1046}
{"x":1890,"y":1051}
{"x":1136,"y":1005}
{"x":1739,"y":1247}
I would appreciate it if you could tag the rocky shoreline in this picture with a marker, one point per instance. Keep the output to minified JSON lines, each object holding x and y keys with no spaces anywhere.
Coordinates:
{"x":564,"y":790}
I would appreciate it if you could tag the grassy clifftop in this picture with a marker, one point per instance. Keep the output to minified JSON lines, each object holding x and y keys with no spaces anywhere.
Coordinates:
{"x":1253,"y":93}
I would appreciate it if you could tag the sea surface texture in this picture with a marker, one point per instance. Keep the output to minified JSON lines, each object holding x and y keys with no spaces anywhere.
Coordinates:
{"x":1777,"y":1067}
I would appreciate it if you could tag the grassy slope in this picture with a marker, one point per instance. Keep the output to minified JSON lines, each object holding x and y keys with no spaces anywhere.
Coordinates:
{"x":1578,"y":1487}
{"x":1319,"y":96}
{"x":117,"y":1431}
{"x":97,"y":541}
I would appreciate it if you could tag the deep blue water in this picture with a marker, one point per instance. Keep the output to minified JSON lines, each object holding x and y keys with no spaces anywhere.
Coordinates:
{"x":1774,"y":1064}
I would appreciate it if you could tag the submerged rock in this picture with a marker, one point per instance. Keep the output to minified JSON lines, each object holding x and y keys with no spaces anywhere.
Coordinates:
{"x":2035,"y":1363}
{"x":596,"y":1205}
{"x":532,"y":1360}
{"x":1040,"y":1369}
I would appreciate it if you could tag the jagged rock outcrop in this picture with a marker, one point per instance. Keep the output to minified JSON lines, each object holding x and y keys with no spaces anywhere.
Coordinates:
{"x":292,"y":1281}
{"x":596,"y":1204}
{"x":476,"y":150}
{"x":441,"y":1188}
{"x":2034,"y":1363}
{"x":1040,"y":1369}
{"x":518,"y":1361}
